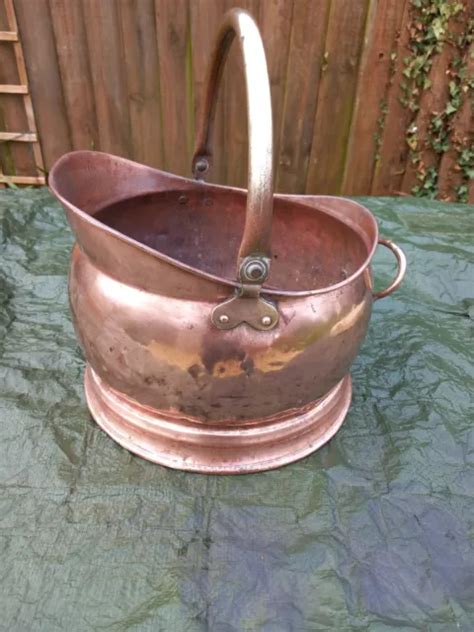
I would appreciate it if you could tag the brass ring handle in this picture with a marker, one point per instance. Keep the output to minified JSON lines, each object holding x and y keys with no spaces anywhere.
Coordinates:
{"x":255,"y":251}
{"x":402,"y":266}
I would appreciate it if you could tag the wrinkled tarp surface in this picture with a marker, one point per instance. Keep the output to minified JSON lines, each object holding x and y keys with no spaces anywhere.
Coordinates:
{"x":374,"y":532}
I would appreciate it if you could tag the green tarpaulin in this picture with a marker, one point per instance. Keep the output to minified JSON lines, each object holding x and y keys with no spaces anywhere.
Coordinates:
{"x":373,"y":533}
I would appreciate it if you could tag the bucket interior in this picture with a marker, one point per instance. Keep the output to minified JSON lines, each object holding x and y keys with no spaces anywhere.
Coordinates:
{"x":203,"y":229}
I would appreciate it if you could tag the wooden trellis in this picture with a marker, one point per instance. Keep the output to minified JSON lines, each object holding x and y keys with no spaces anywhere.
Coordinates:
{"x":22,"y":90}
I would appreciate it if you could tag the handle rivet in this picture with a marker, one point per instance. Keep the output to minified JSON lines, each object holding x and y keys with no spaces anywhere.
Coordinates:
{"x":202,"y":165}
{"x":224,"y":319}
{"x":254,"y":270}
{"x":266,"y":321}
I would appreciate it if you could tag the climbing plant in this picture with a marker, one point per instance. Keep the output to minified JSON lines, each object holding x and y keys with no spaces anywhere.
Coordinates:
{"x":430,"y":31}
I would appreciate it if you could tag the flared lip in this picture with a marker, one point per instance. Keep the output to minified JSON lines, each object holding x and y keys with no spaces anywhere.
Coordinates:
{"x":294,"y":199}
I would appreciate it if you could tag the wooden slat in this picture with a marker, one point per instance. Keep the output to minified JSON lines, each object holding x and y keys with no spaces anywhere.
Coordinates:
{"x":4,"y":24}
{"x":336,"y":96}
{"x":31,"y":180}
{"x":8,"y":36}
{"x":462,"y":136}
{"x":235,"y":117}
{"x":176,"y":86}
{"x":25,"y":137}
{"x":204,"y":22}
{"x":6,"y":157}
{"x":389,"y":170}
{"x":11,"y":89}
{"x":137,"y":20}
{"x":71,"y":46}
{"x":37,"y":39}
{"x":106,"y":56}
{"x":305,"y":62}
{"x":375,"y":75}
{"x":276,"y":18}
{"x":13,"y":24}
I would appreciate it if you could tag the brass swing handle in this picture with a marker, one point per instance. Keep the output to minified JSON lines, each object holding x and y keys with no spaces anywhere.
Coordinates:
{"x":255,"y":252}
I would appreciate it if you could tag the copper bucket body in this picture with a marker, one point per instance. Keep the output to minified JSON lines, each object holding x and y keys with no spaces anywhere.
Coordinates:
{"x":219,"y":325}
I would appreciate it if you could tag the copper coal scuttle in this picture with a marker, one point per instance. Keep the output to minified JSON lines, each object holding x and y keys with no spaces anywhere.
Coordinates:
{"x":218,"y":324}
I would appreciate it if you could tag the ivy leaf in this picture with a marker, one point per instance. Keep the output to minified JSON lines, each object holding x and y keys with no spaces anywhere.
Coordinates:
{"x":412,"y":143}
{"x":438,"y":29}
{"x":450,"y":109}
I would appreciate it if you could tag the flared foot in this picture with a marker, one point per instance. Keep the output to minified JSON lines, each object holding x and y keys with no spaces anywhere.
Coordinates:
{"x":223,"y":448}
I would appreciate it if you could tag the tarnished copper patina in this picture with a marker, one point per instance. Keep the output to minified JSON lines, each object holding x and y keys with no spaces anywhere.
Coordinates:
{"x":218,"y":325}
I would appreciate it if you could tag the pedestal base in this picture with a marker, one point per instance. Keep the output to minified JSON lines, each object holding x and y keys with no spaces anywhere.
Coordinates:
{"x":224,"y":448}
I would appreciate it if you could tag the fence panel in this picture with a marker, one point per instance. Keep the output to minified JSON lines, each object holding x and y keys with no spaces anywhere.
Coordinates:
{"x":353,"y":83}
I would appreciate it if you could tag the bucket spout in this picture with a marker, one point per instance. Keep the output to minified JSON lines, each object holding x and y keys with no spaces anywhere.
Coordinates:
{"x":87,"y":183}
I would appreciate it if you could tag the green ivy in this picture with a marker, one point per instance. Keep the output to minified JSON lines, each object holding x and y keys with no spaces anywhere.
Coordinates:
{"x":429,"y":183}
{"x":380,"y":128}
{"x":466,"y":167}
{"x":429,"y":32}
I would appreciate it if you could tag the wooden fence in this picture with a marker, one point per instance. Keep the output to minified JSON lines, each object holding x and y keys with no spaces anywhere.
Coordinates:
{"x":369,"y":96}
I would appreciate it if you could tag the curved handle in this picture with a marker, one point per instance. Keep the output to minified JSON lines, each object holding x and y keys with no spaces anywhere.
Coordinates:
{"x":254,"y":253}
{"x":402,"y":266}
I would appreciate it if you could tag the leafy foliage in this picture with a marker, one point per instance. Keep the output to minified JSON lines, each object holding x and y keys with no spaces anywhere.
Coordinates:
{"x":429,"y":32}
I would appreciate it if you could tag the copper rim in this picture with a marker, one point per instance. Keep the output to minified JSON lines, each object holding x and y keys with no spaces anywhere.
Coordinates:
{"x":232,"y":448}
{"x":311,"y":201}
